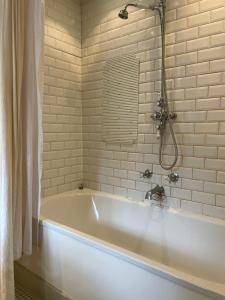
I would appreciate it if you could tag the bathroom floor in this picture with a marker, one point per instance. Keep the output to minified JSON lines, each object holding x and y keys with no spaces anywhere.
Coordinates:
{"x":21,"y":294}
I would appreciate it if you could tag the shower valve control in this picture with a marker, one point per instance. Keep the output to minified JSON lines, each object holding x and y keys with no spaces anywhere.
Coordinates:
{"x":156,"y":116}
{"x":163,"y":116}
{"x":147,"y":174}
{"x":173,"y":116}
{"x":173,"y":177}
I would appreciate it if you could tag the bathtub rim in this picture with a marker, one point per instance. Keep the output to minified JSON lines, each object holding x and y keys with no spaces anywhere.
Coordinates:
{"x":143,"y":203}
{"x":207,"y":288}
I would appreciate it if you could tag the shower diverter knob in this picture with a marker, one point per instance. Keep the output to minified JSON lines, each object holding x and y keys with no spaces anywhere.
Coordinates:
{"x":173,"y":116}
{"x":156,"y":115}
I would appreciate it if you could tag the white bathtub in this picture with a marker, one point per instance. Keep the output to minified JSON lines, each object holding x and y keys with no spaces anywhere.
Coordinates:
{"x":96,"y":246}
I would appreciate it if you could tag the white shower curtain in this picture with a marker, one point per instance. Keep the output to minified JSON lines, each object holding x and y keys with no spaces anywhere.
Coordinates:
{"x":21,"y":52}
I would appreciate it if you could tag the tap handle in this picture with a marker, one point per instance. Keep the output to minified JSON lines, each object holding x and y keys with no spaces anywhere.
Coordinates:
{"x":156,"y":116}
{"x":173,"y":177}
{"x":146,"y":174}
{"x":173,"y":116}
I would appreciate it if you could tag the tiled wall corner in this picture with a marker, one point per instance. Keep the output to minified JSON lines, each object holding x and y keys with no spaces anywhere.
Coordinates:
{"x":62,"y":109}
{"x":196,"y":81}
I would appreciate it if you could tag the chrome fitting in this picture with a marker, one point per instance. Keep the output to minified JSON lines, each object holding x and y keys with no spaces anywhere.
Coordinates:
{"x":147,"y":174}
{"x":173,"y":177}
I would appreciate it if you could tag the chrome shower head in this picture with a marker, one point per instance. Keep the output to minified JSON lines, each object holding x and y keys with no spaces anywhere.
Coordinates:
{"x":123,"y":14}
{"x":147,"y":4}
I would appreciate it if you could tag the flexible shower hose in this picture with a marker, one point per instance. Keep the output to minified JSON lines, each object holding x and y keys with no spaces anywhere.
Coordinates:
{"x":165,"y":99}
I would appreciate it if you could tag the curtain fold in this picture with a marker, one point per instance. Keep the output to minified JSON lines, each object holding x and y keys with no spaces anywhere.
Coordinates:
{"x":21,"y":54}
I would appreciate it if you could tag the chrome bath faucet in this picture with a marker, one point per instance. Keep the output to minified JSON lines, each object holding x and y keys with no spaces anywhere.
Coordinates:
{"x":157,"y":193}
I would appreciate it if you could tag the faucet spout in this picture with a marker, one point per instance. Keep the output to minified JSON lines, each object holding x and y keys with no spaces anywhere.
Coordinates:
{"x":157,"y":191}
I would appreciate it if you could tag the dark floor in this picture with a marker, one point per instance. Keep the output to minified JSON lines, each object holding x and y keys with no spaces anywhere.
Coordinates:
{"x":21,"y":294}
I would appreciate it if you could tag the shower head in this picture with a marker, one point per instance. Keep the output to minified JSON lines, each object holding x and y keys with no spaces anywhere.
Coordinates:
{"x":149,"y":4}
{"x":123,"y":14}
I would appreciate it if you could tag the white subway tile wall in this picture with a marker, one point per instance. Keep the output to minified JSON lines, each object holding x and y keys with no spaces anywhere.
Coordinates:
{"x":62,"y":108}
{"x":195,"y":63}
